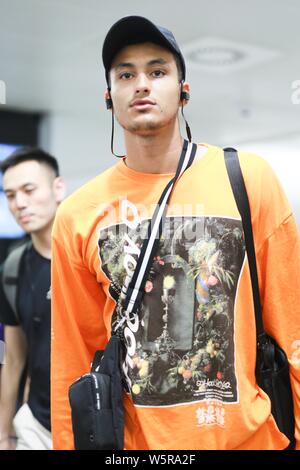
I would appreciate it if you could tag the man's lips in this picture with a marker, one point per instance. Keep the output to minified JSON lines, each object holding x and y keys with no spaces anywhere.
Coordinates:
{"x":25,"y":218}
{"x":142,"y":104}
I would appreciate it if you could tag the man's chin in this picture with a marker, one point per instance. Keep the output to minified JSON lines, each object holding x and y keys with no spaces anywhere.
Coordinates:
{"x":144,"y":129}
{"x":146,"y":126}
{"x":29,"y":227}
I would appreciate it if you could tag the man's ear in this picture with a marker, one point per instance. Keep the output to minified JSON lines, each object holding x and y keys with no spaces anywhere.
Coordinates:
{"x":108,"y":100}
{"x":59,"y":189}
{"x":184,"y":93}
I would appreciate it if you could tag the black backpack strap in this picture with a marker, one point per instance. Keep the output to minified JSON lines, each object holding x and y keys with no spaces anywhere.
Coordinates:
{"x":240,"y":194}
{"x":10,"y":275}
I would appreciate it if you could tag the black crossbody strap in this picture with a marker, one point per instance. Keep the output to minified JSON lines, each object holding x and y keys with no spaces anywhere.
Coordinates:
{"x":240,"y":194}
{"x":135,"y":290}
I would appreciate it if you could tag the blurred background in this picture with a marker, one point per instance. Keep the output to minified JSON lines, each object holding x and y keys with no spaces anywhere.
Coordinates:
{"x":242,"y":63}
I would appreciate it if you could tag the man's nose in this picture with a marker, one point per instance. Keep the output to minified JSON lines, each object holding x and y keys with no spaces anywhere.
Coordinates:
{"x":20,"y":200}
{"x":142,"y":84}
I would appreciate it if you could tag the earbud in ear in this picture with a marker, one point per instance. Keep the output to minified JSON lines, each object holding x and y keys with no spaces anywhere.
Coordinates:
{"x":108,"y":103}
{"x":108,"y":100}
{"x":184,"y":95}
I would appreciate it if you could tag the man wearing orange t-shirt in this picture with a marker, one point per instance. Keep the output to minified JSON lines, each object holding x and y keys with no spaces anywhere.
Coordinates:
{"x":191,"y":352}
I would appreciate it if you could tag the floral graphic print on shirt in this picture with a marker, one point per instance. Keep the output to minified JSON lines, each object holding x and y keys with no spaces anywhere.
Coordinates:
{"x":180,"y":349}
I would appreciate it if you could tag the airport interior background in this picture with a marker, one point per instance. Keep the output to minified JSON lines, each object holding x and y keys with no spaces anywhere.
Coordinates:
{"x":242,"y":63}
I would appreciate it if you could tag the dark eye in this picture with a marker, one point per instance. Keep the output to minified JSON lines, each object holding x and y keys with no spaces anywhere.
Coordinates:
{"x":29,"y":190}
{"x":125,"y":76}
{"x":158,"y":73}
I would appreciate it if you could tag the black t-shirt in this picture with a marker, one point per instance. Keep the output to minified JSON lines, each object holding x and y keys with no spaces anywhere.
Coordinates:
{"x":35,"y":318}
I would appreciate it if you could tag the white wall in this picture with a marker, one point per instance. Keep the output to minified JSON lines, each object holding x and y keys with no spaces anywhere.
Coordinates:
{"x":81,"y":143}
{"x":284,"y":157}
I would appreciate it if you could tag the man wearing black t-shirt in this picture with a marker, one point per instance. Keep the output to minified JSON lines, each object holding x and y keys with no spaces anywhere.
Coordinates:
{"x":34,"y":190}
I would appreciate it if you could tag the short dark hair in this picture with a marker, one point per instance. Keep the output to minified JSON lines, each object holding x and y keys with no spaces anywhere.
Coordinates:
{"x":25,"y":154}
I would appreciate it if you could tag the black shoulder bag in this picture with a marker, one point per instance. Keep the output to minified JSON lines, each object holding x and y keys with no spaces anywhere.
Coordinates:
{"x":96,"y":398}
{"x":272,"y":367}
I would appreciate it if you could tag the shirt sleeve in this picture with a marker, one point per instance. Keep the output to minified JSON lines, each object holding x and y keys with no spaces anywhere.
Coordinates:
{"x":279,"y":268}
{"x":277,"y":246}
{"x":277,"y":243}
{"x":78,"y":330}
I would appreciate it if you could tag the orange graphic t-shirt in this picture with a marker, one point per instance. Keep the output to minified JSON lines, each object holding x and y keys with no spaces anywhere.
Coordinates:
{"x":190,"y":354}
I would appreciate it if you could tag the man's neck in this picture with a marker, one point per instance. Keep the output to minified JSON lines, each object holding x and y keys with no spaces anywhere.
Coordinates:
{"x":42,"y":242}
{"x":157,"y":153}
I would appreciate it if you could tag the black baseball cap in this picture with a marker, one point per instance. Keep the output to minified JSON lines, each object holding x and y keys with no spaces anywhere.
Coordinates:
{"x":133,"y":30}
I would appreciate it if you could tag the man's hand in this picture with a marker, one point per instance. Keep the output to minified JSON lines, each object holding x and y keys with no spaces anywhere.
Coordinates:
{"x":11,"y":371}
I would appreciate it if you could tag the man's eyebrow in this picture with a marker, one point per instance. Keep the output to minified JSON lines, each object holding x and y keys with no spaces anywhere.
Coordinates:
{"x":9,"y":190}
{"x":123,"y":65}
{"x":157,"y":61}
